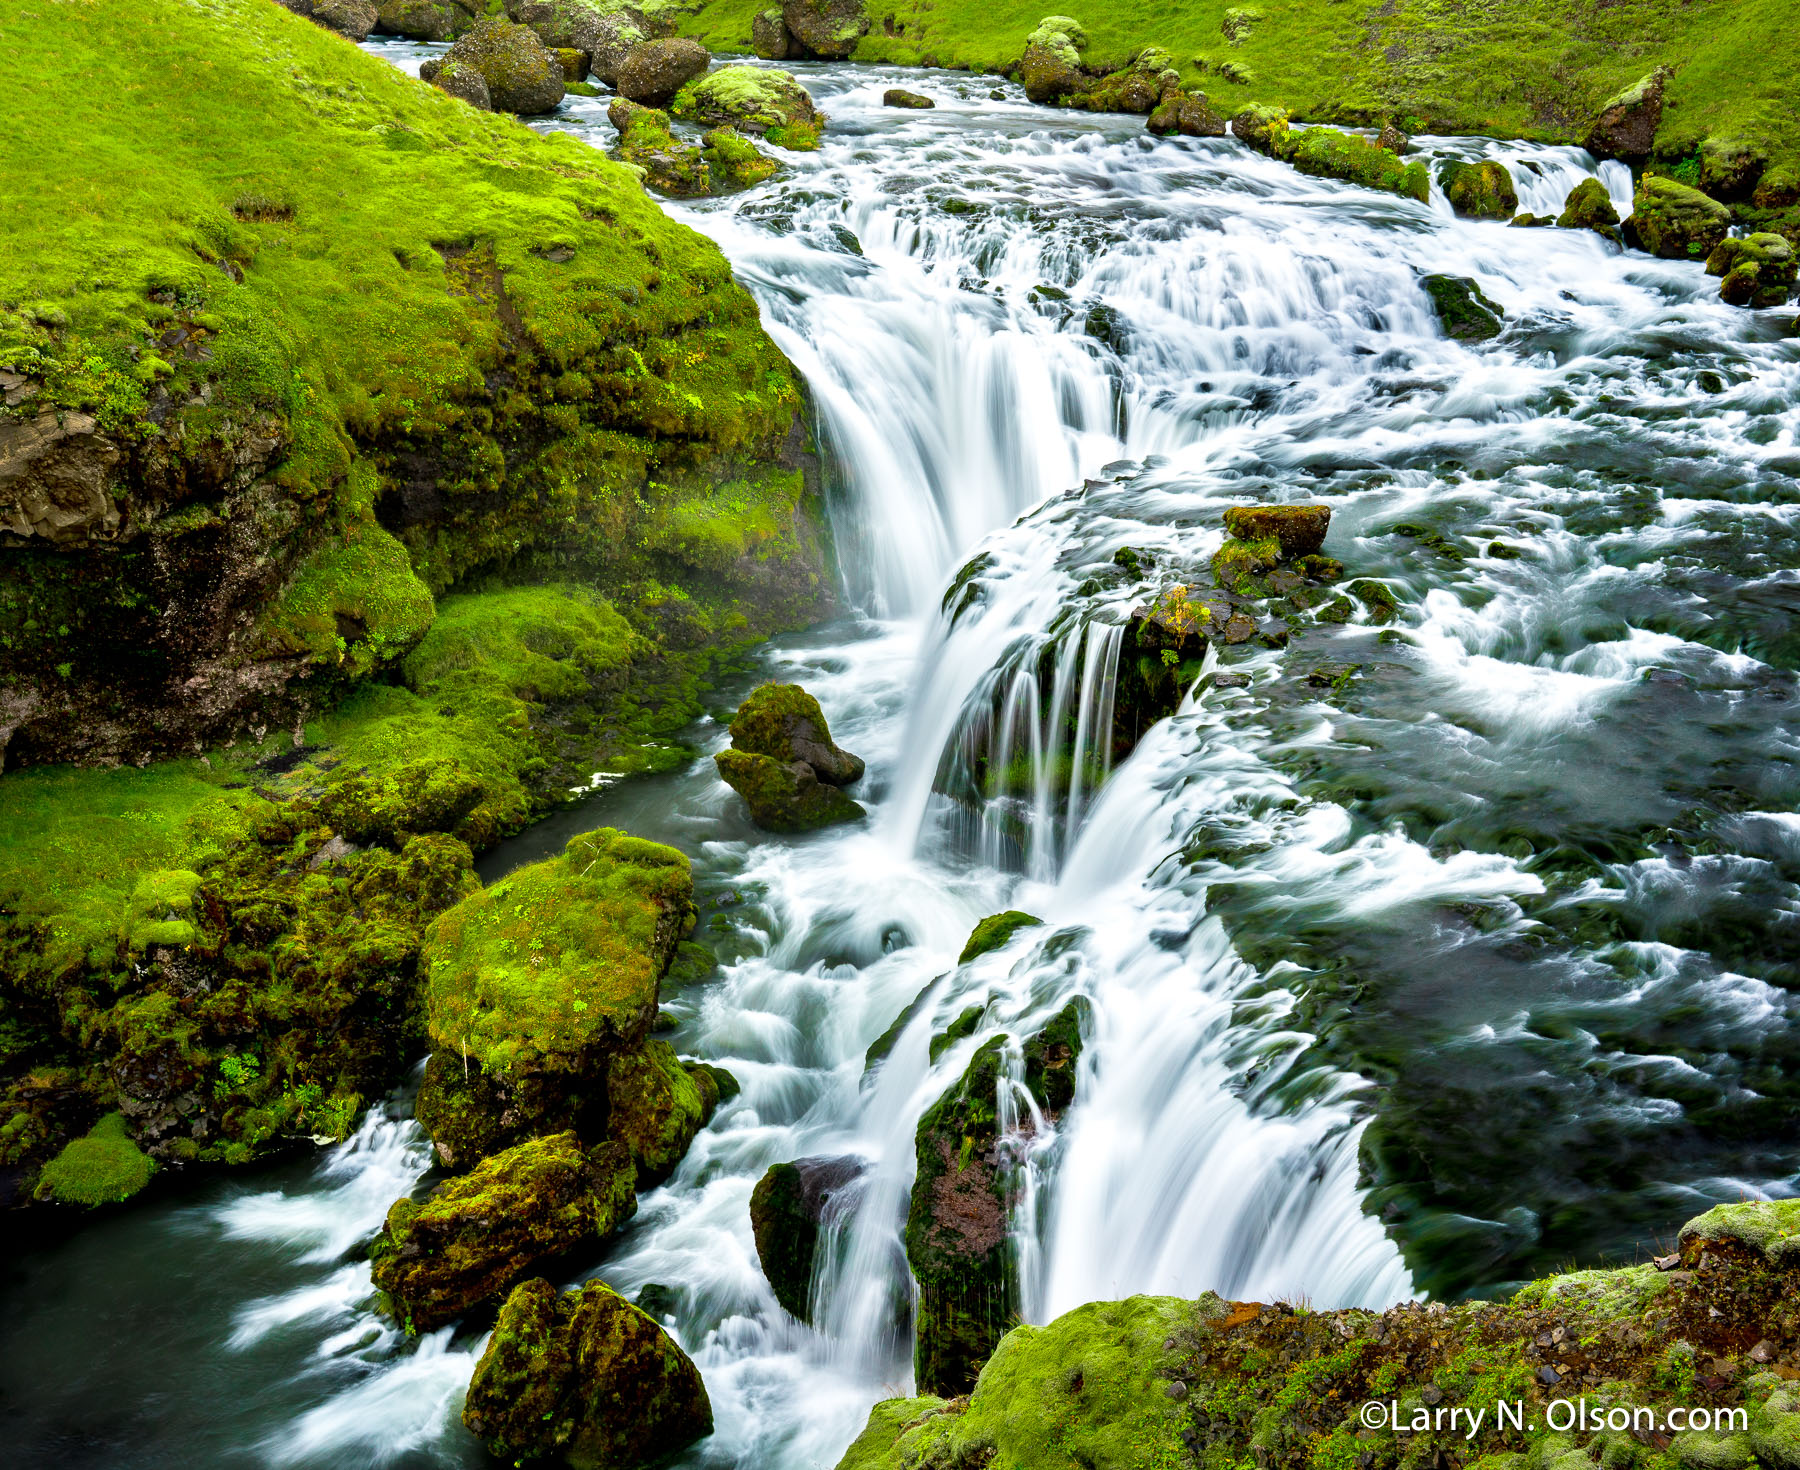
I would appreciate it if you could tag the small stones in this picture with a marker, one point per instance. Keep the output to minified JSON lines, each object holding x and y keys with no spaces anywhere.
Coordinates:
{"x":1763,"y":1352}
{"x":1176,"y":1390}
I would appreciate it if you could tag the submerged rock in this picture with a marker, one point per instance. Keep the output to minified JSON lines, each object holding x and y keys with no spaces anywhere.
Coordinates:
{"x":427,"y":20}
{"x":1466,"y":313}
{"x":1481,"y":190}
{"x":518,"y":71}
{"x":1626,"y":126}
{"x":352,"y":18}
{"x":994,"y":931}
{"x":825,"y":30}
{"x":477,"y":1235}
{"x":900,"y":97}
{"x":1590,"y":207}
{"x":1050,"y":69}
{"x":585,"y":1378}
{"x":753,"y":99}
{"x":654,"y":71}
{"x":787,"y":1208}
{"x":1758,"y":270}
{"x":1671,"y":220}
{"x":784,"y":763}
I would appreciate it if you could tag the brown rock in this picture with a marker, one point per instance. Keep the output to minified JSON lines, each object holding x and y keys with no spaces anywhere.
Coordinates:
{"x":55,"y":478}
{"x":652,"y":73}
{"x":824,"y":29}
{"x":1627,"y":124}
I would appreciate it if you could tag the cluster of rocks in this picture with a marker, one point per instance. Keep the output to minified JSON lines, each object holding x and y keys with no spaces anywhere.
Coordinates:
{"x":785,"y":765}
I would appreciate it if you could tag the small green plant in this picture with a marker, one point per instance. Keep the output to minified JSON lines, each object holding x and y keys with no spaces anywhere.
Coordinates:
{"x":237,"y":1073}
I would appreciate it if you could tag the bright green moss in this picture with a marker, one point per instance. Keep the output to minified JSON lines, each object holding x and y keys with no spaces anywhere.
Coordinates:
{"x":1771,"y":1227}
{"x":1356,"y":160}
{"x":994,"y":931}
{"x":559,"y":958}
{"x":654,"y":1107}
{"x":103,"y":1168}
{"x":752,"y":99}
{"x":1239,"y":566}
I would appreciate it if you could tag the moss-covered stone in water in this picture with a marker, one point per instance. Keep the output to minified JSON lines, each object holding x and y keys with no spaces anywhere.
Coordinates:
{"x":1135,"y":88}
{"x":785,"y":723}
{"x":1263,"y":127}
{"x":586,"y":1378}
{"x":1188,"y":114}
{"x":1756,"y":270}
{"x":102,"y":1168}
{"x":784,"y":797}
{"x":475,"y":1236}
{"x":734,"y":161}
{"x":786,"y":1210}
{"x":1050,"y":69}
{"x":1465,"y":311}
{"x":961,"y":1029}
{"x":753,"y":99}
{"x":654,"y":71}
{"x":670,"y":166}
{"x":1160,"y":656}
{"x":1480,"y":190}
{"x":1240,"y":566}
{"x":1354,"y":159}
{"x":1590,"y":207}
{"x":1299,"y":529}
{"x":1671,"y":220}
{"x":654,"y":1107}
{"x":1053,"y":1055}
{"x":994,"y":931}
{"x":900,"y":97}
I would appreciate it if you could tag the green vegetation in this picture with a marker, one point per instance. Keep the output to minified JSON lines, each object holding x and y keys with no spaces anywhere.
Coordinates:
{"x":994,"y":931}
{"x":753,"y":99}
{"x":102,"y":1168}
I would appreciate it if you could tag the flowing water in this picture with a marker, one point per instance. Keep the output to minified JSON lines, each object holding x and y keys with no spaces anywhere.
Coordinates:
{"x":1418,"y":959}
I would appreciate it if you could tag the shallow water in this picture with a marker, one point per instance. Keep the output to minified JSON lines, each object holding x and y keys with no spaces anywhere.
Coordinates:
{"x":1479,"y":961}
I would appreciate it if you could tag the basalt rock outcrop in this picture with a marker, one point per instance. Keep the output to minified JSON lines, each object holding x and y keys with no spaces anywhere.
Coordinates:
{"x":654,"y":71}
{"x":784,"y":763}
{"x":787,"y":1209}
{"x":518,"y":71}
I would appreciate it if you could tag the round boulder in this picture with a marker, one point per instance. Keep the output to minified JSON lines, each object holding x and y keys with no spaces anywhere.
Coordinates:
{"x":824,"y":29}
{"x":1051,"y":67}
{"x":1674,"y":221}
{"x":1481,"y":190}
{"x":608,"y":40}
{"x":520,"y":72}
{"x":769,"y":36}
{"x":787,"y":1208}
{"x":1590,"y":207}
{"x":753,"y":99}
{"x":427,"y":20}
{"x":459,"y":80}
{"x":1262,"y":127}
{"x":653,"y":72}
{"x":900,"y":97}
{"x":352,"y":18}
{"x":1757,"y":270}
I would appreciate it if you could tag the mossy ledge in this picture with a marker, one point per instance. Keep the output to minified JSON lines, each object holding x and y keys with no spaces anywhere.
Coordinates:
{"x":1167,"y":1383}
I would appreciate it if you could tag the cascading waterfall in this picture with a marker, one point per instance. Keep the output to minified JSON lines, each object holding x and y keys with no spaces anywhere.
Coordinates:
{"x":1034,"y":340}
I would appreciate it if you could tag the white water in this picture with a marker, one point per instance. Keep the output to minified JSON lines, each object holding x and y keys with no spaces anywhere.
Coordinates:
{"x":1274,"y":325}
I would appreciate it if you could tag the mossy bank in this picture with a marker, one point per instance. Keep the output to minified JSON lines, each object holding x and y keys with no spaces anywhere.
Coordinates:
{"x":374,"y":472}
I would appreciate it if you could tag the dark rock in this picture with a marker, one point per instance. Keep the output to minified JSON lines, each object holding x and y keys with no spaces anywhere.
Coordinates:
{"x":769,"y":36}
{"x":1300,"y":529}
{"x":574,"y":63}
{"x":826,"y":30}
{"x":1050,"y":69}
{"x":1627,"y":124}
{"x":459,"y":80}
{"x":609,"y":39}
{"x":784,"y":798}
{"x":521,"y":74}
{"x":352,"y":18}
{"x":653,"y":72}
{"x":1159,"y":658}
{"x":1590,"y":207}
{"x":1482,"y":190}
{"x":900,"y":97}
{"x":427,"y":20}
{"x":1186,"y":113}
{"x":1391,"y":138}
{"x":1467,"y":314}
{"x":994,"y":931}
{"x":787,"y":1209}
{"x":1262,"y":127}
{"x":1674,"y":221}
{"x":784,"y":722}
{"x":585,"y":1378}
{"x":1757,"y":270}
{"x":477,"y":1235}
{"x":1139,"y":87}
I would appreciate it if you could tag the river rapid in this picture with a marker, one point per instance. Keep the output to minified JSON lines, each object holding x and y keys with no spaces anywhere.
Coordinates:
{"x":1420,"y":958}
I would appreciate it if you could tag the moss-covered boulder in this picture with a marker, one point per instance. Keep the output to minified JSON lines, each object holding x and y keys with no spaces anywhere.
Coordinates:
{"x":584,"y":1378}
{"x":427,"y":20}
{"x":1671,"y":220}
{"x":1590,"y":207}
{"x":538,"y":983}
{"x":1466,"y":312}
{"x":900,"y":97}
{"x":994,"y":931}
{"x":1050,"y":69}
{"x":787,"y":1208}
{"x":1757,"y":270}
{"x":769,"y":37}
{"x":1627,"y":124}
{"x":460,"y":80}
{"x":1327,"y":153}
{"x":1263,"y":127}
{"x":958,"y":1217}
{"x":654,"y":71}
{"x":607,"y":38}
{"x":824,"y":30}
{"x":1186,"y":113}
{"x":783,"y":797}
{"x":655,"y":1106}
{"x":352,"y":18}
{"x":103,"y":1167}
{"x":1136,"y":88}
{"x":481,"y":1233}
{"x":521,"y":74}
{"x":1299,"y":530}
{"x":756,"y":100}
{"x":1160,"y":654}
{"x":784,"y":722}
{"x":734,"y":162}
{"x":670,"y":165}
{"x":1480,"y":190}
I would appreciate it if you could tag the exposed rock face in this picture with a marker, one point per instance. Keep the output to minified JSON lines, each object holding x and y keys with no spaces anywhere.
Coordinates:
{"x":585,"y":1378}
{"x":653,"y":72}
{"x":756,"y":100}
{"x":1051,"y":70}
{"x":900,"y":97}
{"x":956,"y":1223}
{"x":477,"y":1235}
{"x":427,"y":20}
{"x":787,"y":1208}
{"x":1186,"y":113}
{"x":1481,"y":190}
{"x":1467,"y":314}
{"x":55,"y":476}
{"x":1590,"y":207}
{"x":1159,"y":659}
{"x":784,"y":763}
{"x":1674,"y":221}
{"x":1627,"y":124}
{"x":825,"y":30}
{"x":521,"y":74}
{"x":352,"y":18}
{"x":1262,"y":127}
{"x":1757,"y":270}
{"x":769,"y":36}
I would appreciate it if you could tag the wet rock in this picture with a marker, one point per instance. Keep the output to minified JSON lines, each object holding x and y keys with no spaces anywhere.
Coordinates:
{"x":352,"y":18}
{"x":1531,"y":221}
{"x":769,"y":36}
{"x":519,"y":72}
{"x":654,"y":71}
{"x":1391,"y":138}
{"x":1466,"y":313}
{"x":1481,"y":190}
{"x":1298,"y":529}
{"x":994,"y":931}
{"x":655,"y":1106}
{"x":756,"y":100}
{"x":670,"y":165}
{"x":609,"y":39}
{"x":1159,"y":658}
{"x":1779,"y":188}
{"x":427,"y":20}
{"x":1186,"y":113}
{"x":787,"y":1208}
{"x":1135,"y":88}
{"x":481,"y":1233}
{"x":1050,"y":69}
{"x":1626,"y":126}
{"x":1327,"y":153}
{"x":900,"y":97}
{"x":784,"y":724}
{"x":1757,"y":270}
{"x":585,"y":1378}
{"x":825,"y":30}
{"x":784,"y":797}
{"x":1590,"y":207}
{"x":734,"y":162}
{"x":1262,"y":127}
{"x":1674,"y":221}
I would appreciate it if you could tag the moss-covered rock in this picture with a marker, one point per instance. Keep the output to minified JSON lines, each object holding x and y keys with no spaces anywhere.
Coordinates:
{"x":824,"y":30}
{"x":460,"y":80}
{"x":654,"y":71}
{"x":1480,"y":190}
{"x":1299,"y":529}
{"x":1627,"y":124}
{"x":1590,"y":207}
{"x":1160,"y":655}
{"x":1050,"y":69}
{"x":787,"y":1208}
{"x":753,"y":99}
{"x":477,"y":1235}
{"x":352,"y":18}
{"x":994,"y":931}
{"x":585,"y":1378}
{"x":1327,"y":153}
{"x":769,"y":37}
{"x":785,"y":723}
{"x":608,"y":39}
{"x":655,"y":1106}
{"x":784,"y":798}
{"x":427,"y":20}
{"x":1263,"y":127}
{"x":900,"y":97}
{"x":1757,"y":270}
{"x":1671,"y":220}
{"x":574,"y":63}
{"x":521,"y":73}
{"x":1186,"y":113}
{"x":103,"y":1167}
{"x":1464,"y":309}
{"x":734,"y":162}
{"x":670,"y":166}
{"x":1136,"y":88}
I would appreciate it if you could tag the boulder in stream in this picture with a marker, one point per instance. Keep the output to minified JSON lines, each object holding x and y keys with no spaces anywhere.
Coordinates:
{"x":1480,"y":190}
{"x":824,"y":30}
{"x":1671,"y":220}
{"x":1051,"y":70}
{"x":585,"y":1378}
{"x":1756,"y":270}
{"x":1186,"y":113}
{"x":1465,"y":311}
{"x":519,"y":71}
{"x":787,"y":1208}
{"x":427,"y":20}
{"x":654,"y":71}
{"x":1263,"y":127}
{"x":1627,"y":124}
{"x":670,"y":165}
{"x":784,"y":763}
{"x":900,"y":97}
{"x":1590,"y":207}
{"x":995,"y":931}
{"x":352,"y":18}
{"x":478,"y":1234}
{"x":757,"y":100}
{"x":1135,"y":88}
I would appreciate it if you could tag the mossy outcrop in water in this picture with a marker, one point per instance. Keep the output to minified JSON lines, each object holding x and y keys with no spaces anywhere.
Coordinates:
{"x":1590,"y":207}
{"x":475,"y":1236}
{"x":1355,"y":159}
{"x":1755,"y":270}
{"x":994,"y":931}
{"x":787,"y":1208}
{"x":1674,"y":221}
{"x":784,"y":763}
{"x":103,"y":1167}
{"x":1480,"y":190}
{"x":753,"y":99}
{"x":1162,"y":1381}
{"x":1465,"y":310}
{"x":586,"y":1379}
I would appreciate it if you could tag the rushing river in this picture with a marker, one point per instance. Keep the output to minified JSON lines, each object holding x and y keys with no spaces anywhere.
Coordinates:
{"x":1419,"y":959}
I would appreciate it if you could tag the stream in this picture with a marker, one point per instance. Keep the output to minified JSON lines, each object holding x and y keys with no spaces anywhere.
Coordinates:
{"x":1420,"y":959}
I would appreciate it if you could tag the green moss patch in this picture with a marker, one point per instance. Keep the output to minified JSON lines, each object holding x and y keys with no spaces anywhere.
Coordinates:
{"x":102,"y":1168}
{"x":994,"y":931}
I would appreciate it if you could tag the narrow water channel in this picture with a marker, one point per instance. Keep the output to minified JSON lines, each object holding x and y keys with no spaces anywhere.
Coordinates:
{"x":1420,"y":959}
